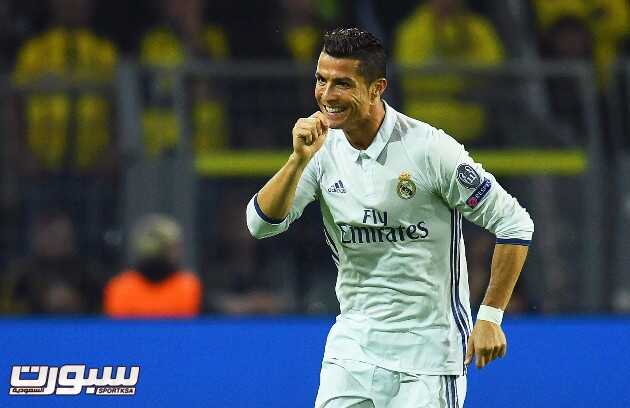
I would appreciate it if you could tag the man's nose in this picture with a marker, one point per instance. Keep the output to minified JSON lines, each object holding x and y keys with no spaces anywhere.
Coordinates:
{"x":328,"y":93}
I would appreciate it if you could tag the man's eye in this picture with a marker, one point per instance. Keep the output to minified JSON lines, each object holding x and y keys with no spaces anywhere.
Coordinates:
{"x":320,"y":80}
{"x":344,"y":85}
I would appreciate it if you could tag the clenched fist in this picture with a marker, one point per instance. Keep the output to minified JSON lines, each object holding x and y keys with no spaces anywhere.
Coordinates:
{"x":487,"y":342}
{"x":309,"y":135}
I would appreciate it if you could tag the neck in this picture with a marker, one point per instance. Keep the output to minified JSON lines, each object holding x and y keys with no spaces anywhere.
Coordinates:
{"x":362,"y":135}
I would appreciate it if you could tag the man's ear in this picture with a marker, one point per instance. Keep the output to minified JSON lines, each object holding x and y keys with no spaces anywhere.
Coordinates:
{"x":377,"y":89}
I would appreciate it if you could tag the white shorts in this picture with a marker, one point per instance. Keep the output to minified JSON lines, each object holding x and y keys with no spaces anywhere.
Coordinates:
{"x":349,"y":383}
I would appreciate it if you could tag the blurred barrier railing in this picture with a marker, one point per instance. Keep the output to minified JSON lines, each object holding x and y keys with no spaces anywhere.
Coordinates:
{"x":160,"y":182}
{"x":618,"y":109}
{"x":545,"y":158}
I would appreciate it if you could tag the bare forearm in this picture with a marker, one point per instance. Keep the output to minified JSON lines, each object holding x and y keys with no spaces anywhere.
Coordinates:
{"x":276,"y":197}
{"x":507,"y":262}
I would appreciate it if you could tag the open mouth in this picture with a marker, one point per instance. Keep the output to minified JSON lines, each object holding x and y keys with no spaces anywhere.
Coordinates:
{"x":334,"y":110}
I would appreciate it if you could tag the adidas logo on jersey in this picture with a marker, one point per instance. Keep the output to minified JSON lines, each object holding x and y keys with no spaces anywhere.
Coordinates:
{"x":338,"y":187}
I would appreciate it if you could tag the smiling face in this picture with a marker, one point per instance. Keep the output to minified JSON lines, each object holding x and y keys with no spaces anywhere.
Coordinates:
{"x":343,"y":94}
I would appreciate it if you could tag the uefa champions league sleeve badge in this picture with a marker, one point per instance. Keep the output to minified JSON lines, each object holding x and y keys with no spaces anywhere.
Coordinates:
{"x":468,"y":176}
{"x":406,"y":188}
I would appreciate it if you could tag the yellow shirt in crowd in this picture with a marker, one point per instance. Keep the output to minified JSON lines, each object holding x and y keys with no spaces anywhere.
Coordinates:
{"x":465,"y":38}
{"x":163,"y":49}
{"x":70,"y":128}
{"x":608,"y":20}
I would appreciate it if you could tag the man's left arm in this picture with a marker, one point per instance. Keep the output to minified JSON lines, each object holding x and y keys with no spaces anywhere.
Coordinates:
{"x":476,"y":194}
{"x":487,"y":341}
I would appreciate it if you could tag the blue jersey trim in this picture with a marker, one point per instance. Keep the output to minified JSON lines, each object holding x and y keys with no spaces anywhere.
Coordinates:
{"x":332,"y":246}
{"x":454,"y":385}
{"x":514,"y":241}
{"x":460,"y":305}
{"x":449,"y":404}
{"x":262,"y":214}
{"x":459,"y":319}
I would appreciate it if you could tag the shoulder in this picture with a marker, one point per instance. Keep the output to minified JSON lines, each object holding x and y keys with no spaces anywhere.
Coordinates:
{"x":412,"y":127}
{"x":91,"y":40}
{"x":186,"y":276}
{"x":427,"y":145}
{"x":417,"y":136}
{"x":215,"y":41}
{"x":411,"y":24}
{"x":29,"y":59}
{"x":97,"y":46}
{"x":32,"y":45}
{"x":185,"y":280}
{"x":157,"y":34}
{"x":410,"y":33}
{"x":155,"y":43}
{"x":480,"y":25}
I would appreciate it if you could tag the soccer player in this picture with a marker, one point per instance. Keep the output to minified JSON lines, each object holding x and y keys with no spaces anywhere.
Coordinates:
{"x":392,"y":191}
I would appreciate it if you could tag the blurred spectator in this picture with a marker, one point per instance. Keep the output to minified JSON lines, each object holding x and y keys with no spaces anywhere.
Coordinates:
{"x":66,"y":129}
{"x":54,"y":278}
{"x":302,"y":30}
{"x":607,"y":20}
{"x":157,"y":286}
{"x":182,"y":36}
{"x":567,"y":39}
{"x":445,"y":32}
{"x":64,"y":142}
{"x":304,"y":21}
{"x":242,"y":276}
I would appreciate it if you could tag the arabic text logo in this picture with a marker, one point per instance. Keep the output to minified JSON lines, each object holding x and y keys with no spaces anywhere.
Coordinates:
{"x":70,"y":380}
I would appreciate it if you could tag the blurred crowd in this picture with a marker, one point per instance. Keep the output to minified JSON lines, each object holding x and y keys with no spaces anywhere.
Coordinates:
{"x":62,"y":242}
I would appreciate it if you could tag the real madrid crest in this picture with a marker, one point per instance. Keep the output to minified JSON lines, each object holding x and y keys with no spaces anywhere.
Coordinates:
{"x":406,"y":188}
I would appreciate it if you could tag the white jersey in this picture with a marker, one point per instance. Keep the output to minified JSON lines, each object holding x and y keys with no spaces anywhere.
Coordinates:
{"x":392,"y":218}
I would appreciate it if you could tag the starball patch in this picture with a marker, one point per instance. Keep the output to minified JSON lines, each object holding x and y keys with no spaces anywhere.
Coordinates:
{"x":479,"y":194}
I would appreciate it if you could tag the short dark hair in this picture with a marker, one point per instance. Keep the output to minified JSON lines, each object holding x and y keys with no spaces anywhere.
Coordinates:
{"x":360,"y":45}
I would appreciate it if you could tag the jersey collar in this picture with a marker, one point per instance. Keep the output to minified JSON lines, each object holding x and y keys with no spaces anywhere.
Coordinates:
{"x":380,"y":140}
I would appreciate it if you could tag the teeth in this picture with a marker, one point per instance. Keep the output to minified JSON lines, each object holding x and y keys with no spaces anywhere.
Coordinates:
{"x":334,"y":110}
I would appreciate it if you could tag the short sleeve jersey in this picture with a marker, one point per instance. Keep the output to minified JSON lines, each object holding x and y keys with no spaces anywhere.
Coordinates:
{"x":392,"y":219}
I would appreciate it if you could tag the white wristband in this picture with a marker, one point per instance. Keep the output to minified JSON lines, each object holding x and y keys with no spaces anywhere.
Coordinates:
{"x":490,"y":314}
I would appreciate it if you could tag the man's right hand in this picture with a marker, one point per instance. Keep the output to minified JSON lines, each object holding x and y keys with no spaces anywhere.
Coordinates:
{"x":276,"y":197}
{"x":309,"y":135}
